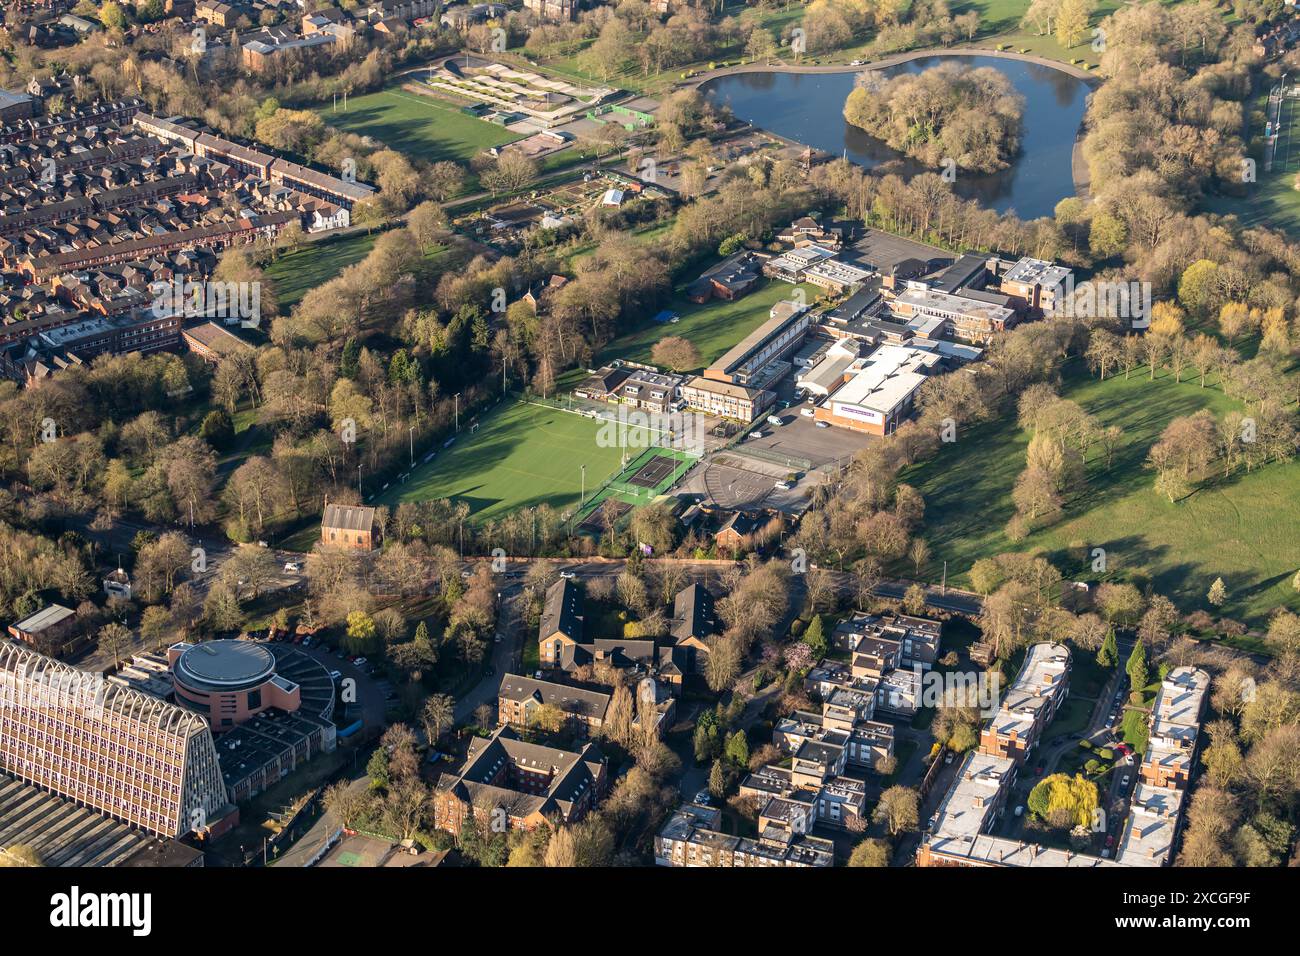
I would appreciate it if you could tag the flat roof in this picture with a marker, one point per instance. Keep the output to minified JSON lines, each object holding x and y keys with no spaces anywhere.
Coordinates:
{"x":225,"y":664}
{"x":887,"y":377}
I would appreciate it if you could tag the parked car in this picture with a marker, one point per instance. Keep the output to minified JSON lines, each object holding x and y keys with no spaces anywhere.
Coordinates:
{"x":292,"y":567}
{"x":567,"y":575}
{"x":336,"y":675}
{"x":360,"y":662}
{"x":823,"y":424}
{"x":703,"y":798}
{"x":807,"y":412}
{"x":1020,"y":810}
{"x":1123,"y":781}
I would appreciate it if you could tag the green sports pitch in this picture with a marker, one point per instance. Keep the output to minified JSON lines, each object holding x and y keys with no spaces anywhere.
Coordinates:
{"x":522,"y":454}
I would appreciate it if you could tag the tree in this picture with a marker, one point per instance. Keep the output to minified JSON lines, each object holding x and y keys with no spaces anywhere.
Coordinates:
{"x":761,"y":45}
{"x":899,"y":810}
{"x":1063,"y":801}
{"x":360,"y":634}
{"x":1108,"y":656}
{"x":718,"y":780}
{"x":815,"y":638}
{"x":1218,"y":593}
{"x":437,"y":715}
{"x":870,"y":852}
{"x":675,"y":353}
{"x":1284,"y":632}
{"x":914,"y":599}
{"x":919,"y":552}
{"x":113,"y":16}
{"x":737,"y":751}
{"x":1072,"y":22}
{"x":1136,"y":667}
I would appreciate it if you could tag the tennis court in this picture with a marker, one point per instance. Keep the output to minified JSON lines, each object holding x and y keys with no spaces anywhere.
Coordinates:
{"x":653,"y":471}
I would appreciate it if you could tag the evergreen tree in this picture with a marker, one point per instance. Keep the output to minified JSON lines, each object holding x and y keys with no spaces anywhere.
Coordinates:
{"x":377,"y":768}
{"x":738,"y":749}
{"x":1137,"y":667}
{"x":718,"y":780}
{"x":1108,"y":656}
{"x":815,"y":637}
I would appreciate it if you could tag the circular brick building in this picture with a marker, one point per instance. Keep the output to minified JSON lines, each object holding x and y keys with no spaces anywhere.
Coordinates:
{"x":230,"y":681}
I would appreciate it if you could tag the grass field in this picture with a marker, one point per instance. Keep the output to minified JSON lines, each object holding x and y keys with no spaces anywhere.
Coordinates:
{"x":1245,"y":528}
{"x":1272,"y":201}
{"x":522,"y":455}
{"x":714,"y":327}
{"x":299,"y":272}
{"x":419,"y":126}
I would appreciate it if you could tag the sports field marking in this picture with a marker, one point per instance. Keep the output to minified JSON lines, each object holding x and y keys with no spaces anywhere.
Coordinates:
{"x":599,"y":420}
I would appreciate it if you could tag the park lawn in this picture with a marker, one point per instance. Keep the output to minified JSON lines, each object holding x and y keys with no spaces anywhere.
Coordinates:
{"x":420,"y":126}
{"x":522,"y":456}
{"x":714,"y":327}
{"x":1245,"y":529}
{"x":297,"y":273}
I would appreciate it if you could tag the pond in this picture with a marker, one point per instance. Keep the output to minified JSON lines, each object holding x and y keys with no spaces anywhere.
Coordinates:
{"x":808,"y":108}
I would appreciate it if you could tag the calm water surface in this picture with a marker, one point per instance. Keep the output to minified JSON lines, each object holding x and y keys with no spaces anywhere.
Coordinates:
{"x":808,"y":108}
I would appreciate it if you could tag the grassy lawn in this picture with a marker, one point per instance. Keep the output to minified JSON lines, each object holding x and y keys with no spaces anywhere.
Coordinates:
{"x":714,"y":327}
{"x":522,"y":455}
{"x":1272,"y":201}
{"x":421,"y":126}
{"x":1246,"y":528}
{"x":297,"y":273}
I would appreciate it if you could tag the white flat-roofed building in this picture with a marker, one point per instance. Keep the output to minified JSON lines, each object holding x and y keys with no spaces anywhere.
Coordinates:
{"x":835,"y":275}
{"x":828,"y":374}
{"x":1030,"y":702}
{"x":1152,"y":824}
{"x":1175,"y":726}
{"x":880,"y":389}
{"x":976,"y":798}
